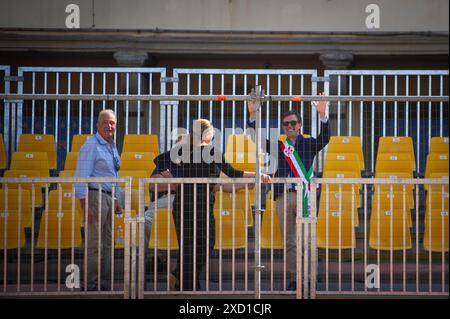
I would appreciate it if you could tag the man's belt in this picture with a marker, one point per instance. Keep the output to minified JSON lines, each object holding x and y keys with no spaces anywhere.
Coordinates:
{"x":103,"y":191}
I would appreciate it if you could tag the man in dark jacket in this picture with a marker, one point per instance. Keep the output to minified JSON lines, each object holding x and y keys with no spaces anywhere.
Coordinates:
{"x":295,"y":159}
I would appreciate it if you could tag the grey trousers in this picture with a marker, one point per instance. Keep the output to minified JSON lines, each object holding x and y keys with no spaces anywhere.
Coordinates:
{"x":291,"y":213}
{"x":100,"y":227}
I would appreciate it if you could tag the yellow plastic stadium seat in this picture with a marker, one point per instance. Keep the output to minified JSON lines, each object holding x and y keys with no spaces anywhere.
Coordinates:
{"x":240,"y":199}
{"x":226,"y":242}
{"x":35,"y":161}
{"x":439,"y":145}
{"x":65,"y":173}
{"x":13,"y":239}
{"x":400,"y":229}
{"x":160,"y":217}
{"x":396,"y":145}
{"x":241,"y":152}
{"x":346,"y":204}
{"x":270,"y":226}
{"x":393,"y":162}
{"x":438,"y":187}
{"x":119,"y":229}
{"x":136,"y":175}
{"x":78,"y":141}
{"x":66,"y":202}
{"x":436,"y":163}
{"x":147,"y":143}
{"x":439,"y":222}
{"x":14,"y":200}
{"x":346,"y":231}
{"x":397,"y":203}
{"x":3,"y":164}
{"x":341,"y":162}
{"x":71,"y":161}
{"x":342,"y":174}
{"x":439,"y":200}
{"x":135,"y":161}
{"x":39,"y":143}
{"x":70,"y":226}
{"x":409,"y":188}
{"x":347,"y":144}
{"x":38,"y":196}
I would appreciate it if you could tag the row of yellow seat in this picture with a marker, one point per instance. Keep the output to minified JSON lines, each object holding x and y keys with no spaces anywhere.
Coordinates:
{"x":336,"y":222}
{"x":45,"y":143}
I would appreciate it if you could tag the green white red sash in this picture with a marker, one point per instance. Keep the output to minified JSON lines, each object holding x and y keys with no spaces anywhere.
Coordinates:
{"x":297,"y":167}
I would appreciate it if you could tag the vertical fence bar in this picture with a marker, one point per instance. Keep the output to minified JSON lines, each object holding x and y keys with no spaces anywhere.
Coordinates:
{"x":45,"y":104}
{"x":429,"y":111}
{"x":258,"y":195}
{"x":365,"y":235}
{"x":407,"y":106}
{"x":350,"y":107}
{"x":372,"y":151}
{"x":384,"y":106}
{"x":127,"y":102}
{"x":207,"y":236}
{"x":418,"y":126}
{"x":327,"y":235}
{"x":395,"y":104}
{"x":92,"y":104}
{"x":441,"y":105}
{"x":404,"y":236}
{"x":314,"y":261}
{"x":80,"y":105}
{"x":417,"y":238}
{"x":339,"y":108}
{"x":33,"y":102}
{"x":33,"y":201}
{"x":19,"y":232}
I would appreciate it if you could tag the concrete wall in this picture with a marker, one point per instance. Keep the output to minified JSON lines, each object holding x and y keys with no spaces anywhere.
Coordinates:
{"x":246,"y":15}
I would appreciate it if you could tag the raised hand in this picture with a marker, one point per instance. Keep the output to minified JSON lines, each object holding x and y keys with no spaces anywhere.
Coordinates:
{"x":321,"y":106}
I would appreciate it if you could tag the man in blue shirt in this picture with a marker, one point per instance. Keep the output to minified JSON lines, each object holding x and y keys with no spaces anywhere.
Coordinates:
{"x":306,"y":149}
{"x":98,"y":157}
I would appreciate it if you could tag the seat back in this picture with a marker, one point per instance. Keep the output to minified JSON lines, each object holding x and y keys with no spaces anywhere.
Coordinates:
{"x":36,"y":161}
{"x":137,"y":161}
{"x":39,"y":143}
{"x":147,"y":143}
{"x":59,"y":229}
{"x":78,"y":140}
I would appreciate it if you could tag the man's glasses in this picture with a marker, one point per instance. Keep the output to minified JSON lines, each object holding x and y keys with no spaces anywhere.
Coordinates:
{"x":292,"y":123}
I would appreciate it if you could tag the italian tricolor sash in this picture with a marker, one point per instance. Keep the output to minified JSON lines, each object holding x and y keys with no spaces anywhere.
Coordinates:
{"x":297,"y":167}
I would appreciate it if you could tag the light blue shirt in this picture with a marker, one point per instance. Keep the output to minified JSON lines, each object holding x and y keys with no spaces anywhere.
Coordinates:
{"x":97,"y":158}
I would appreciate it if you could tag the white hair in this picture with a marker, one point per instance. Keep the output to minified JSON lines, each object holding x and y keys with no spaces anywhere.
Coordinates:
{"x":107,"y":111}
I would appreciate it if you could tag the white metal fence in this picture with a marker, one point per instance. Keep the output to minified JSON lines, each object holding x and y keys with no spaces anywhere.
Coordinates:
{"x":373,"y":119}
{"x":45,"y":234}
{"x":381,"y":236}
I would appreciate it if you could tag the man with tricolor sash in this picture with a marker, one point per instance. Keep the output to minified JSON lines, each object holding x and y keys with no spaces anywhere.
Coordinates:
{"x":295,"y":159}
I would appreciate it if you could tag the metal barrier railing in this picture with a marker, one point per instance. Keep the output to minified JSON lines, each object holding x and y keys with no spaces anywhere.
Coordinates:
{"x":231,"y":226}
{"x":420,"y":119}
{"x":42,"y":222}
{"x":401,"y":250}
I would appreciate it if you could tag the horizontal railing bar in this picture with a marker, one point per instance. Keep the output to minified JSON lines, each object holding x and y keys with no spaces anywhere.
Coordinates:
{"x":381,"y":293}
{"x":415,"y":181}
{"x":23,"y":180}
{"x":305,"y":98}
{"x":223,"y":180}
